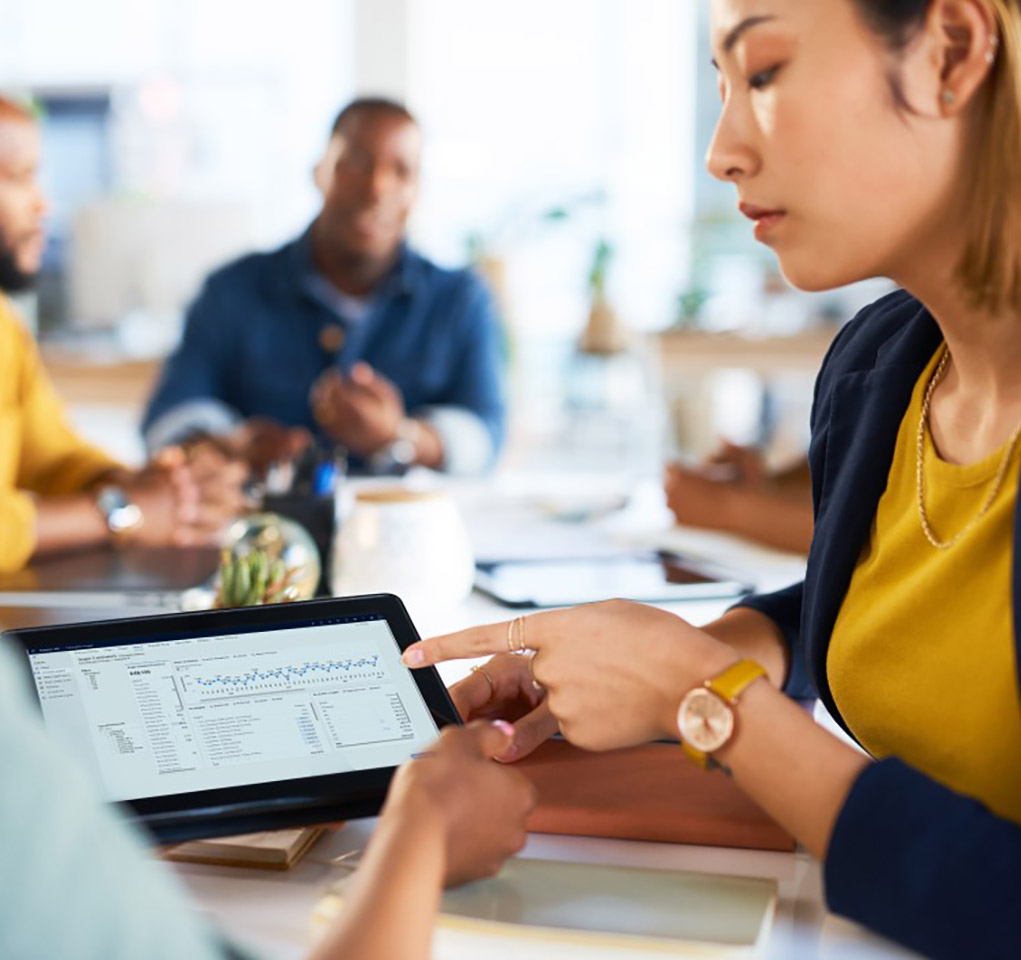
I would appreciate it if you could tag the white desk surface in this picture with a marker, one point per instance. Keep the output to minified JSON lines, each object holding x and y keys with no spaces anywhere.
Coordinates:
{"x":269,"y":912}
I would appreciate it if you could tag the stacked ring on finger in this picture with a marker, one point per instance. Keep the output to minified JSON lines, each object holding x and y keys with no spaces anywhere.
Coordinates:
{"x":485,"y":673}
{"x":516,"y":637}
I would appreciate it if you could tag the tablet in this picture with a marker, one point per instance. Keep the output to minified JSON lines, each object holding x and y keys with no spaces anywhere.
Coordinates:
{"x":232,"y":721}
{"x":659,"y":577}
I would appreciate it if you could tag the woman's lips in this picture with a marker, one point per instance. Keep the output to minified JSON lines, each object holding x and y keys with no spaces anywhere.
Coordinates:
{"x":766,"y":220}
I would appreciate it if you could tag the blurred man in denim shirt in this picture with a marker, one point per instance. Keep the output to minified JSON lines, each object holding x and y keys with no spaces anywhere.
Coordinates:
{"x":344,"y":335}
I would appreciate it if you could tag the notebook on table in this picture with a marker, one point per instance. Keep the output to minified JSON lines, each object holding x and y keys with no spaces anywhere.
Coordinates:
{"x":269,"y":850}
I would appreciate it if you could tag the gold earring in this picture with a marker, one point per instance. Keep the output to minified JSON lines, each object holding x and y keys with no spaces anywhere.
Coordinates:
{"x":994,"y":47}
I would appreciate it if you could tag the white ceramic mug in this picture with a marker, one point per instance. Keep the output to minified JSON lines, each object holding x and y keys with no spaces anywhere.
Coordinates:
{"x":409,"y":542}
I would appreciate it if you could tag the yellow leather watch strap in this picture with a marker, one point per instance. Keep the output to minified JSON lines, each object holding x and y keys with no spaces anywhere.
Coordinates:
{"x":702,"y":759}
{"x":731,"y":682}
{"x":728,"y":686}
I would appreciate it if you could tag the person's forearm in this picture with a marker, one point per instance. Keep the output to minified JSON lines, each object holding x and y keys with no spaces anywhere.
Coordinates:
{"x":795,"y":478}
{"x":755,"y":637}
{"x":782,"y":520}
{"x":63,"y":523}
{"x":790,"y":766}
{"x":428,"y":446}
{"x":391,"y":907}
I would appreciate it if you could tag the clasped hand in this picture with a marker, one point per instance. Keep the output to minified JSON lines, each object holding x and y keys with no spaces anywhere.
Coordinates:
{"x":607,"y":675}
{"x":361,"y":411}
{"x":187,"y":497}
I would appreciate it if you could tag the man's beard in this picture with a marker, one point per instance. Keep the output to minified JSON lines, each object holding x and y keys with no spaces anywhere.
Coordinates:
{"x":12,"y":278}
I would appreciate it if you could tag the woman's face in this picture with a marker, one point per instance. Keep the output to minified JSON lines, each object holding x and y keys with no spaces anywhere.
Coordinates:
{"x":842,"y":183}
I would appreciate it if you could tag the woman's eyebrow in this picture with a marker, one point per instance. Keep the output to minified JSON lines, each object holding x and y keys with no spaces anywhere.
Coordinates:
{"x":735,"y":34}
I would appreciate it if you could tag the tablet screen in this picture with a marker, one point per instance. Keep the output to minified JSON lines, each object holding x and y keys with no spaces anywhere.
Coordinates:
{"x":182,"y":713}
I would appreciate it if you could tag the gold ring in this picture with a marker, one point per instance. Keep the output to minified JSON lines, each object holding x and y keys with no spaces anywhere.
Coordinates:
{"x":489,"y":680}
{"x":531,"y":672}
{"x":516,"y":645}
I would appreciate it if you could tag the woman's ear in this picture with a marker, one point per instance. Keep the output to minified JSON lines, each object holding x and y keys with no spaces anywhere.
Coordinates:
{"x":963,"y":39}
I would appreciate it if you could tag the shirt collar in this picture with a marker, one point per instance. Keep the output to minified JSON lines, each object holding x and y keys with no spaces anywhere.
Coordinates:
{"x":403,"y":278}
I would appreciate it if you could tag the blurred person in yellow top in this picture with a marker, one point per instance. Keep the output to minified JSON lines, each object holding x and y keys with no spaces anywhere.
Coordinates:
{"x":56,"y":491}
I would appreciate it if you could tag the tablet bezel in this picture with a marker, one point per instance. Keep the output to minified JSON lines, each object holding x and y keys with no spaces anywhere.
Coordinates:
{"x":173,"y":818}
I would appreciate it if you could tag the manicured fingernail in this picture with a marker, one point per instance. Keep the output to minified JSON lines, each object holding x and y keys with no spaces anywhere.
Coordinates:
{"x":510,"y":754}
{"x":413,"y":658}
{"x":504,"y":727}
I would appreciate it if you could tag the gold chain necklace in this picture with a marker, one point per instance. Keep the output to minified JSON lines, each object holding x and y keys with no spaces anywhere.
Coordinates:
{"x":987,"y":504}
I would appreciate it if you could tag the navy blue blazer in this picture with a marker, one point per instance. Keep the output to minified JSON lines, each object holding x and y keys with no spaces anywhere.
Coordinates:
{"x":909,"y":858}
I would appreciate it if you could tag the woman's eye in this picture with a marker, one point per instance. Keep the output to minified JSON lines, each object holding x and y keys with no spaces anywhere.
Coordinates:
{"x":762,"y":79}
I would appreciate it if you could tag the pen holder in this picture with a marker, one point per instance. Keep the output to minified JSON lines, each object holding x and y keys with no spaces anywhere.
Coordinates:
{"x":317,"y":514}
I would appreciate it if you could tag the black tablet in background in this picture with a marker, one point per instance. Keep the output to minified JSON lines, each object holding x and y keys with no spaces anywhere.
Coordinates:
{"x":233,"y":721}
{"x":654,"y":577}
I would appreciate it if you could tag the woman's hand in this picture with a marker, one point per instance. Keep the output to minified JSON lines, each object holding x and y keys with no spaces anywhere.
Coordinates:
{"x":502,"y":689}
{"x":478,"y":806}
{"x":614,"y":672}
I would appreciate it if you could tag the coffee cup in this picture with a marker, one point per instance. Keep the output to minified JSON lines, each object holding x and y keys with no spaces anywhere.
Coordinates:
{"x":409,"y":542}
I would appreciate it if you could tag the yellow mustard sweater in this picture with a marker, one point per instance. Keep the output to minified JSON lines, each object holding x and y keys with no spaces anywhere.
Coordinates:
{"x":39,"y":452}
{"x":922,"y":661}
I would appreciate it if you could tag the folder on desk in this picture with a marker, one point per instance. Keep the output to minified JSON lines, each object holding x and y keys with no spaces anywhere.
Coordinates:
{"x":584,"y":909}
{"x":569,"y":911}
{"x":652,"y":792}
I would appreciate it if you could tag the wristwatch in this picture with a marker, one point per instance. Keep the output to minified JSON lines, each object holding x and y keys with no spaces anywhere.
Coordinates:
{"x":706,"y":719}
{"x":401,"y":452}
{"x":122,"y":517}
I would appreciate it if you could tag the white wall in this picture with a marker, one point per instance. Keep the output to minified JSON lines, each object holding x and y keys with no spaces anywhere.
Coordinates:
{"x":531,"y":105}
{"x":222,"y":99}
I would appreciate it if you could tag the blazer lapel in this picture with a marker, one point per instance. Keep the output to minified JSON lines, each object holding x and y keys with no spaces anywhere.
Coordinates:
{"x":867,"y":407}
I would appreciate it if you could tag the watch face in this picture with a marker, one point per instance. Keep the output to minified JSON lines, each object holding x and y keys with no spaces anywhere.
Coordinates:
{"x":704,"y":720}
{"x":403,"y":452}
{"x":124,"y":518}
{"x":120,"y":514}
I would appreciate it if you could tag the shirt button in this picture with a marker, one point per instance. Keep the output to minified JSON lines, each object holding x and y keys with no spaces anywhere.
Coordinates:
{"x":331,"y":338}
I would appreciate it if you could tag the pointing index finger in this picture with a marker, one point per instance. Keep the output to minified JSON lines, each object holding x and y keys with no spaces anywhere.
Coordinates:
{"x":474,"y":642}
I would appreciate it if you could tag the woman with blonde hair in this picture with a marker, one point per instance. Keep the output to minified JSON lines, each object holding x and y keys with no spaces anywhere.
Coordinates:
{"x":864,"y":138}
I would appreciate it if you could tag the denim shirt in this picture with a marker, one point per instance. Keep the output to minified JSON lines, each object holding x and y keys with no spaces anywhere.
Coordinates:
{"x":252,"y":347}
{"x":75,"y":882}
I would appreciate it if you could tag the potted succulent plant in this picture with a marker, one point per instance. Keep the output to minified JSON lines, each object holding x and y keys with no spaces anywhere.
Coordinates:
{"x":268,"y":559}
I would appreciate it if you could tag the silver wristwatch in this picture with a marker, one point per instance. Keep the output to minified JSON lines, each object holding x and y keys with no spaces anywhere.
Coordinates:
{"x":401,"y":452}
{"x":120,"y":514}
